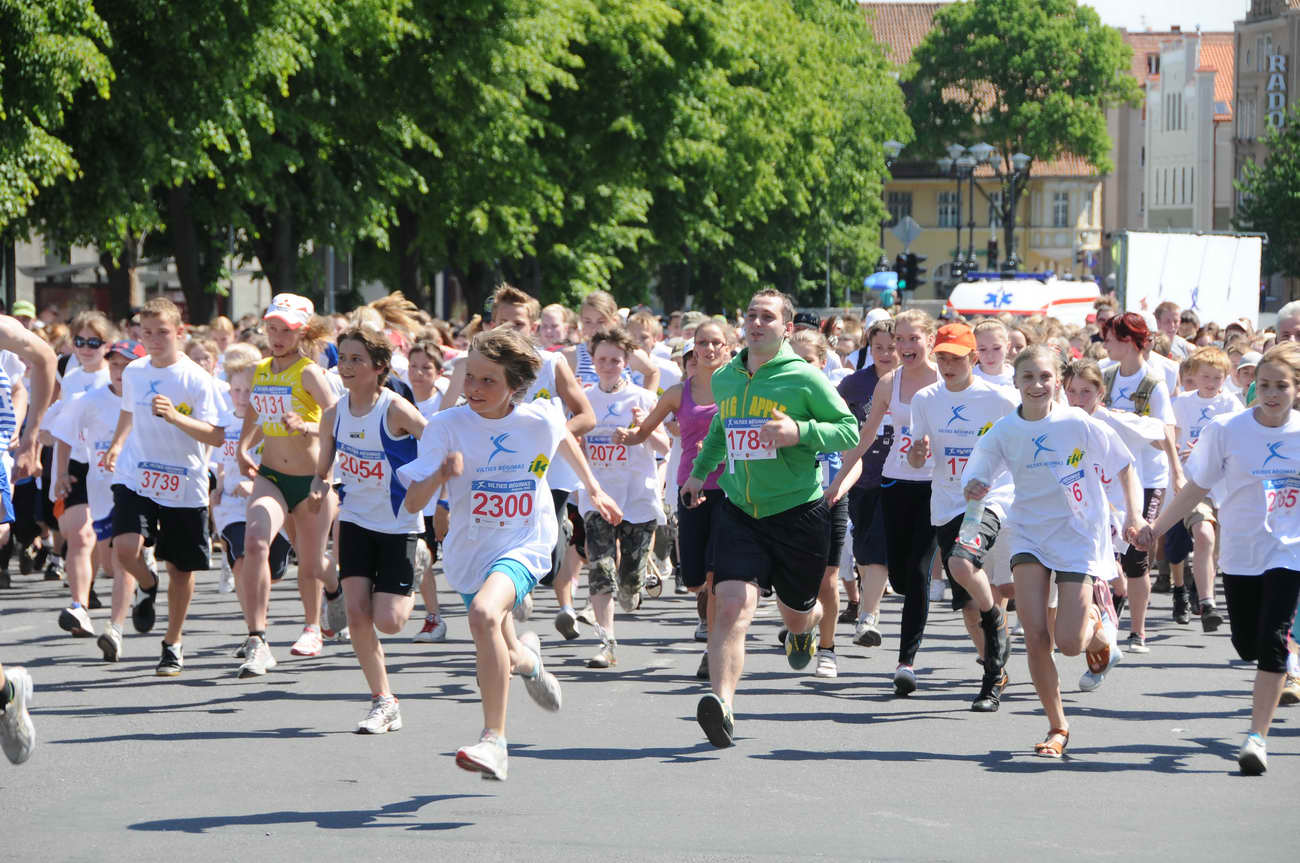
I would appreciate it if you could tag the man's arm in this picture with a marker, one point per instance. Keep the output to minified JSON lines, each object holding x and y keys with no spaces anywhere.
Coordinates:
{"x":832,"y":427}
{"x":41,"y":364}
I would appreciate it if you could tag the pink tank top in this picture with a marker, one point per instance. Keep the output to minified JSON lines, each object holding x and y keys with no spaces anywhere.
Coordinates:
{"x":693,"y":420}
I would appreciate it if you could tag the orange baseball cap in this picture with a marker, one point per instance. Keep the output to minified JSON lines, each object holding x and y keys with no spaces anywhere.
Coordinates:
{"x":955,"y":339}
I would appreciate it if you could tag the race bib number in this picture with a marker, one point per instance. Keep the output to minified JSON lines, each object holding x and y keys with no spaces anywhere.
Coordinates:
{"x":361,"y":468}
{"x":99,"y":452}
{"x":501,"y":505}
{"x":228,"y":448}
{"x":272,"y":403}
{"x":162,"y":482}
{"x":743,"y":443}
{"x":602,"y":452}
{"x":905,"y":443}
{"x":954,"y":463}
{"x":1076,"y":494}
{"x":1282,"y":499}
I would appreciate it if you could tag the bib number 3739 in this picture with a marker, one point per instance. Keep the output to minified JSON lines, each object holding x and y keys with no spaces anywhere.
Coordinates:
{"x":743,"y":443}
{"x":501,"y":505}
{"x":162,"y":481}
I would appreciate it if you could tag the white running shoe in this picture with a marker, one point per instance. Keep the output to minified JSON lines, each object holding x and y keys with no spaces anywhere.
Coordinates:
{"x":540,"y":683}
{"x":258,"y":658}
{"x":702,"y":631}
{"x":867,"y":633}
{"x":433,"y":631}
{"x":937,"y":587}
{"x":1252,"y":758}
{"x":904,"y":680}
{"x":309,"y":643}
{"x":827,"y":666}
{"x":524,"y":609}
{"x":587,"y":615}
{"x":487,"y":757}
{"x":384,"y":716}
{"x":226,"y":583}
{"x":336,"y":616}
{"x":76,"y":622}
{"x":17,"y":734}
{"x":110,"y":643}
{"x":605,"y":657}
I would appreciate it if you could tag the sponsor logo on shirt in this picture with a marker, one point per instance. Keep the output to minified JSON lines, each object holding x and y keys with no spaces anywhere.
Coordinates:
{"x":184,"y":408}
{"x":358,"y":435}
{"x":499,"y":446}
{"x":543,"y":393}
{"x":539,"y":465}
{"x":1075,"y":457}
{"x":611,"y":413}
{"x":153,"y":388}
{"x":1273,"y":453}
{"x":1205,"y":415}
{"x":1040,"y":447}
{"x":957,"y":415}
{"x":985,"y":428}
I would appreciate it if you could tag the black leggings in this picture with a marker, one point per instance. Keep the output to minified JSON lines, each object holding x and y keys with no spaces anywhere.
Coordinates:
{"x":911,"y":545}
{"x":1260,"y":611}
{"x":559,"y":499}
{"x":1135,"y":562}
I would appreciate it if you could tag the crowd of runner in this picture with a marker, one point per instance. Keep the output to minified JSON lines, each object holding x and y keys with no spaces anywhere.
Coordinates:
{"x":1047,"y":479}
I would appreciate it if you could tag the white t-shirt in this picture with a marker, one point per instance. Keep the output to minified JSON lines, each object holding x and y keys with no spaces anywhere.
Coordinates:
{"x":1136,"y":432}
{"x":1152,"y":465}
{"x":1166,"y":367}
{"x":87,"y":422}
{"x":368,"y":455}
{"x":626,"y":473}
{"x":954,"y":421}
{"x":1259,"y":508}
{"x":232,"y":507}
{"x":76,"y":381}
{"x":1006,"y":378}
{"x":1192,"y":412}
{"x":500,"y":504}
{"x":1060,"y":514}
{"x":427,"y":409}
{"x":560,"y":476}
{"x":159,"y":461}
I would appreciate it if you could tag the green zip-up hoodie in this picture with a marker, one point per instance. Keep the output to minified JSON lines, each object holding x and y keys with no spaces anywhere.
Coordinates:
{"x":802,"y":392}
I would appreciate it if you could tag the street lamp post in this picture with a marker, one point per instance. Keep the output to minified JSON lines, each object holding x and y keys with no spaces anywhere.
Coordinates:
{"x":892,"y":149}
{"x":953,"y":165}
{"x":1019,"y":170}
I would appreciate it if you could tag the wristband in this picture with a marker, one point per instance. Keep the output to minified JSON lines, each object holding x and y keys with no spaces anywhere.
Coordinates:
{"x":445,"y":504}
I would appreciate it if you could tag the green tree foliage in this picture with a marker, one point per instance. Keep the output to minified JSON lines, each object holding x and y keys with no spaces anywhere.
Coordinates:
{"x":1271,"y":198}
{"x":1030,"y":76}
{"x":48,"y":50}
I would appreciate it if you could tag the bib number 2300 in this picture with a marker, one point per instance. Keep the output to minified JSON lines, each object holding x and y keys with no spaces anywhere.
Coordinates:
{"x":501,"y":505}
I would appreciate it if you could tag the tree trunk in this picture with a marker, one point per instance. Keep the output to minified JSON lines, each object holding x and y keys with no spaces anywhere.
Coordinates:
{"x":123,"y":280}
{"x":188,"y":254}
{"x":277,"y":249}
{"x":410,"y":274}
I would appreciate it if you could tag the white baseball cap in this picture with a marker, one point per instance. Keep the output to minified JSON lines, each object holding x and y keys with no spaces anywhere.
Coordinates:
{"x":875,"y":316}
{"x":292,"y":310}
{"x":1250,"y":358}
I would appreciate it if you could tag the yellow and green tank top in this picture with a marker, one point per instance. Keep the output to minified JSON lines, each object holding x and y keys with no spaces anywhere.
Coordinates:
{"x":278,"y":393}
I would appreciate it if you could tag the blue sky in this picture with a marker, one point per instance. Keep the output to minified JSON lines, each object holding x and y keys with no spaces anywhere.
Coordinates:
{"x":1161,"y":14}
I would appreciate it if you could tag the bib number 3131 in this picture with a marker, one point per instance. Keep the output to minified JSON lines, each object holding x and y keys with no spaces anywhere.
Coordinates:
{"x":743,"y":443}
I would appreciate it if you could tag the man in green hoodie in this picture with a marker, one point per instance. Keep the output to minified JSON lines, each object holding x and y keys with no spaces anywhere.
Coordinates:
{"x":775,"y":414}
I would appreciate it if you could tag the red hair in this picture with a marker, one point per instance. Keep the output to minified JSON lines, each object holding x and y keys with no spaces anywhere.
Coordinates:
{"x":1128,"y":327}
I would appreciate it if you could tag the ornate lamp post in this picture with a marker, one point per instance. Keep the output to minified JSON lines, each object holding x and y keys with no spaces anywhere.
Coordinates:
{"x":892,"y":149}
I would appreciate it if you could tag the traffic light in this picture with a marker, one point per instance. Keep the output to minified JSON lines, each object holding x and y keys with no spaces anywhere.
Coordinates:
{"x":900,"y":267}
{"x":913,"y":271}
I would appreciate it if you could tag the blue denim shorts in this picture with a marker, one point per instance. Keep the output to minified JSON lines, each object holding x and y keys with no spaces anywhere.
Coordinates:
{"x":524,"y":580}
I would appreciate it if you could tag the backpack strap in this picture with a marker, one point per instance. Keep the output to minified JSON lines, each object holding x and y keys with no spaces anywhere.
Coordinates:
{"x":1108,"y":384}
{"x":1142,"y":397}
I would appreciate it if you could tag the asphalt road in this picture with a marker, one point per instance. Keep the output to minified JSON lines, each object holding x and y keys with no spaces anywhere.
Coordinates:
{"x":205,"y":766}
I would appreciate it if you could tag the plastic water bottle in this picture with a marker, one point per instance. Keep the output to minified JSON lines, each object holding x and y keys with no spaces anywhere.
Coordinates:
{"x":970,"y":523}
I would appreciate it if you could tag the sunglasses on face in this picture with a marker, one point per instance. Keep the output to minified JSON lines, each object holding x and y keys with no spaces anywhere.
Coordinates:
{"x":92,"y":342}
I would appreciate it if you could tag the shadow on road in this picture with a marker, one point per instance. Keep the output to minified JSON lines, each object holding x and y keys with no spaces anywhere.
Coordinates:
{"x":393,"y":815}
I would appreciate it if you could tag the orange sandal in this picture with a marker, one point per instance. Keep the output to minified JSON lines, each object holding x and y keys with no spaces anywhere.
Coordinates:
{"x":1051,"y":747}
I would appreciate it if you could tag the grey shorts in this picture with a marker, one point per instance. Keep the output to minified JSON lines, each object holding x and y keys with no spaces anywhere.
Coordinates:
{"x":1061,"y":577}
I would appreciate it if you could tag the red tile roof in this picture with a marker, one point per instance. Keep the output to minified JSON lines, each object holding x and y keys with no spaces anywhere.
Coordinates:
{"x":1218,"y":51}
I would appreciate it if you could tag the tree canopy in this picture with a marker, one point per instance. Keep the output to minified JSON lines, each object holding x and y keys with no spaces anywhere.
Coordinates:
{"x":1270,"y":198}
{"x":679,"y":147}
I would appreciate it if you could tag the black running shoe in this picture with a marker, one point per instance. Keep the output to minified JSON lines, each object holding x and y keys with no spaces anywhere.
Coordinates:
{"x":849,"y":614}
{"x":714,"y":717}
{"x":95,"y":603}
{"x":702,"y":673}
{"x":1211,"y":619}
{"x":143,"y":614}
{"x":5,"y":581}
{"x":171,"y":661}
{"x":1182,"y":610}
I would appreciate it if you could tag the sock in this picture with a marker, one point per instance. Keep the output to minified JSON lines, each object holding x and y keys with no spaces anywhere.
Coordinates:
{"x":260,"y":633}
{"x":569,"y":609}
{"x":75,"y":604}
{"x":830,"y":649}
{"x":1292,"y":663}
{"x":335,"y":594}
{"x":432,"y":617}
{"x":6,"y":693}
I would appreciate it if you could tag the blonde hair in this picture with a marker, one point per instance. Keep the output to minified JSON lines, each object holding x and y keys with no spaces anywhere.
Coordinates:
{"x":1087,"y":370}
{"x":514,"y":353}
{"x":97,"y":322}
{"x":393,"y":312}
{"x":240,"y":358}
{"x":221,"y":324}
{"x":919,"y":319}
{"x":512,"y":296}
{"x":812,"y":339}
{"x":649,"y":322}
{"x":1286,"y":355}
{"x":1215,"y":358}
{"x":992,"y":325}
{"x":602,"y":304}
{"x":1037,"y":352}
{"x":163,"y":308}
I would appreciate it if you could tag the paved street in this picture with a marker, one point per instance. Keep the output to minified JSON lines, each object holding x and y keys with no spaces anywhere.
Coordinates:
{"x":131,"y":766}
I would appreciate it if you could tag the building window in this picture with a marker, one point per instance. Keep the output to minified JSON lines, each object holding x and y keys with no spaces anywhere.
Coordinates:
{"x":900,"y":205}
{"x":1060,"y":209}
{"x":1142,"y":157}
{"x":1153,"y":64}
{"x":1182,"y":190}
{"x":1191,"y":186}
{"x":1259,"y":54}
{"x":1142,"y":202}
{"x":949,"y":217}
